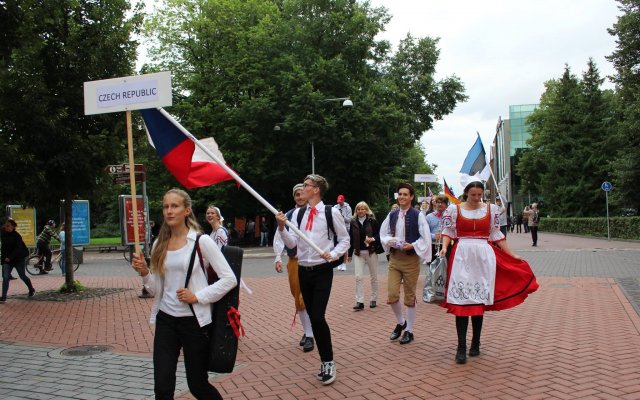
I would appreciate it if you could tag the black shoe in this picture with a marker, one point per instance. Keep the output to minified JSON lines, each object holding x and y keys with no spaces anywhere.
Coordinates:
{"x":461,"y":355}
{"x":358,"y":306}
{"x":372,"y":304}
{"x":12,"y":278}
{"x":407,"y":337}
{"x":303,"y":340}
{"x":3,"y":300}
{"x":32,"y":292}
{"x":475,"y":349}
{"x":397,"y":331}
{"x":308,"y":344}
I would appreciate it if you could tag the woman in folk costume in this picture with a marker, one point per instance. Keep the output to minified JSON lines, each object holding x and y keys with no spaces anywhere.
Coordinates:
{"x":483,"y":273}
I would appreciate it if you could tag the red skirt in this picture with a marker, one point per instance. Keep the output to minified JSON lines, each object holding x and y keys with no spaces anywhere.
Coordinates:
{"x":514,"y":282}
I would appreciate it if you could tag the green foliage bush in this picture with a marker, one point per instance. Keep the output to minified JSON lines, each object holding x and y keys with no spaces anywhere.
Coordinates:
{"x":106,"y":229}
{"x":620,"y":227}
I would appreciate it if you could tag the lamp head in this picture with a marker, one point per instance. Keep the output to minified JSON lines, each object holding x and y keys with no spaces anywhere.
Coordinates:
{"x":347,"y":103}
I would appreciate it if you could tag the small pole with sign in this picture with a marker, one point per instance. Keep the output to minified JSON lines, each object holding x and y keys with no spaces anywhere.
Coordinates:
{"x":126,"y":94}
{"x":607,"y":186}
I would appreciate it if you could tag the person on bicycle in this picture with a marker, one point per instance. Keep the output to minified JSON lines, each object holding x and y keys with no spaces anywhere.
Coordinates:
{"x":43,"y":244}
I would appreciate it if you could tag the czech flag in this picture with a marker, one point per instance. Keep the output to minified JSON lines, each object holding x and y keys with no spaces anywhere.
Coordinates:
{"x":191,"y":167}
{"x":447,"y":192}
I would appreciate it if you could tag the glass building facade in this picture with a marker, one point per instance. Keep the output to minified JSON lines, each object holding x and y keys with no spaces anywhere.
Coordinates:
{"x":511,"y":137}
{"x":519,"y":130}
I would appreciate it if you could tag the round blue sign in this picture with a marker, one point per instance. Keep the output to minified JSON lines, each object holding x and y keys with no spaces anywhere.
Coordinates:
{"x":606,"y":186}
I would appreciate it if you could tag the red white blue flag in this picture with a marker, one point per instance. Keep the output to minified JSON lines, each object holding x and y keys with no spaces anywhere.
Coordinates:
{"x":191,"y":166}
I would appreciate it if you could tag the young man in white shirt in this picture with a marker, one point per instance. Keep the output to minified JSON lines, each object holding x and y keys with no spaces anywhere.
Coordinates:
{"x":315,"y":271}
{"x":405,"y":235}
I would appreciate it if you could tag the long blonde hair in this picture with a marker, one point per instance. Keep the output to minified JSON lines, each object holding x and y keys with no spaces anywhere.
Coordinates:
{"x":159,"y":252}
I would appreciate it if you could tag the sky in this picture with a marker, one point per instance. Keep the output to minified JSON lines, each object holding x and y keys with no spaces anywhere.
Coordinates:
{"x":503,"y":51}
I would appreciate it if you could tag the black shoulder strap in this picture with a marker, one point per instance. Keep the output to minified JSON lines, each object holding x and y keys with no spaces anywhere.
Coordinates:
{"x":191,"y":261}
{"x":330,"y":227}
{"x":301,"y":214}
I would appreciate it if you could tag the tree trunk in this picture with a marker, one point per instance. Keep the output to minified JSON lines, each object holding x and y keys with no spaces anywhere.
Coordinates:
{"x":68,"y":242}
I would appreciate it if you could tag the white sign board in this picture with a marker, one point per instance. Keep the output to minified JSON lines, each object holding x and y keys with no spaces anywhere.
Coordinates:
{"x":127,"y":93}
{"x":425,"y":178}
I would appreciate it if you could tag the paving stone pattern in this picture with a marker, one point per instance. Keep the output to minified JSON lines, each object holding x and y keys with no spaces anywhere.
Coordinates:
{"x":578,"y":337}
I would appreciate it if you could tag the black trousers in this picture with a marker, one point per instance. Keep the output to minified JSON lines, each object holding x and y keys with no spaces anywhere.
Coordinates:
{"x":316,"y":288}
{"x":534,"y":234}
{"x":173,"y":334}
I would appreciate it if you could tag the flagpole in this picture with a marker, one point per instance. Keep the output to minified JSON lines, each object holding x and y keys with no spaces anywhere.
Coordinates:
{"x":132,"y":181}
{"x":237,"y":178}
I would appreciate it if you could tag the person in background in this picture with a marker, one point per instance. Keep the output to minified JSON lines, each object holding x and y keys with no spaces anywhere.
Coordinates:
{"x":219,"y":233}
{"x":42,"y":244}
{"x":434,"y":220}
{"x":264,"y":231}
{"x":534,"y":219}
{"x":182,"y":315}
{"x":519,"y":223}
{"x":365,"y":247}
{"x":250,"y":230}
{"x":502,"y":220}
{"x":315,"y":271}
{"x":483,"y":273}
{"x":345,"y":211}
{"x":63,"y":253}
{"x":13,"y":254}
{"x":307,"y":341}
{"x":525,"y":218}
{"x":405,"y":235}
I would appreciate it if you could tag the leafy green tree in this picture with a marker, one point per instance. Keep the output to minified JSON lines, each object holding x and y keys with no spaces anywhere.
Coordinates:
{"x":625,"y":165}
{"x":566,"y":162}
{"x":51,"y":48}
{"x":240,"y":68}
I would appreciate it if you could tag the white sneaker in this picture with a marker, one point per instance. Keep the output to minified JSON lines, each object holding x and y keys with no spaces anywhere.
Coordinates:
{"x":342,"y":267}
{"x":329,"y":373}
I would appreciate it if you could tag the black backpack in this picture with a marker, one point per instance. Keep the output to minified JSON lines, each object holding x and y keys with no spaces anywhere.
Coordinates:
{"x":327,"y":212}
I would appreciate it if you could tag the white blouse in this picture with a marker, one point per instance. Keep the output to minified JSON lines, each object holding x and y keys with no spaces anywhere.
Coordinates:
{"x":451,"y":215}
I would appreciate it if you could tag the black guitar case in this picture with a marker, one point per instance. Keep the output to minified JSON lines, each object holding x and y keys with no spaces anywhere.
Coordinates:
{"x":224,"y":342}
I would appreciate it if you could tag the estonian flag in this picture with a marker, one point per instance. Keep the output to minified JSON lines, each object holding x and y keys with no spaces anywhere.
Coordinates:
{"x":475,"y":164}
{"x":191,"y":166}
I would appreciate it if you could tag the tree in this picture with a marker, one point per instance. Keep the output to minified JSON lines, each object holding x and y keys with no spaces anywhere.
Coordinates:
{"x":566,"y":162}
{"x":242,"y":67}
{"x":51,"y":49}
{"x":625,"y":165}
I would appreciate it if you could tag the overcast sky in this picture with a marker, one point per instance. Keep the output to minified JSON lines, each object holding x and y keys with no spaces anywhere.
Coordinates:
{"x":503,"y":51}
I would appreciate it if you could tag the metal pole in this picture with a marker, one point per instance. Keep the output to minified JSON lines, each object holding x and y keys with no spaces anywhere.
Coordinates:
{"x":313,"y":159}
{"x":606,"y":197}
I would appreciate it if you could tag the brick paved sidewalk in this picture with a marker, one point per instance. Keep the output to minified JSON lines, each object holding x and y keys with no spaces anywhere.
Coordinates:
{"x":577,"y":337}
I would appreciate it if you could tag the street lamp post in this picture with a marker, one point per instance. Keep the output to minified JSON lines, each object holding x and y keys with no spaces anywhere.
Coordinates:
{"x":346,"y":102}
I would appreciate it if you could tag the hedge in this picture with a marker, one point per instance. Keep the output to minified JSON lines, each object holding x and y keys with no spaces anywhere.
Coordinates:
{"x":620,"y":227}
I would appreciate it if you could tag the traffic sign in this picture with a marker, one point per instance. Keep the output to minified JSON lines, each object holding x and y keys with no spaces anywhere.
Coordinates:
{"x":124,"y":178}
{"x":606,"y":186}
{"x":117,"y":169}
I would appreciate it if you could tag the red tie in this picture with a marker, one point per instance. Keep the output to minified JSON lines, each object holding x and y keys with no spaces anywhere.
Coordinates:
{"x":310,"y":220}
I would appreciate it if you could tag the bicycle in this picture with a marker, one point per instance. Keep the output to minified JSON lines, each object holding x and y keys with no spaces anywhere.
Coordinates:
{"x":35,"y":264}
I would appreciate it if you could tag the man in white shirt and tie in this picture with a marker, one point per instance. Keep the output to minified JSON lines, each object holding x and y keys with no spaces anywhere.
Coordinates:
{"x":315,"y":271}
